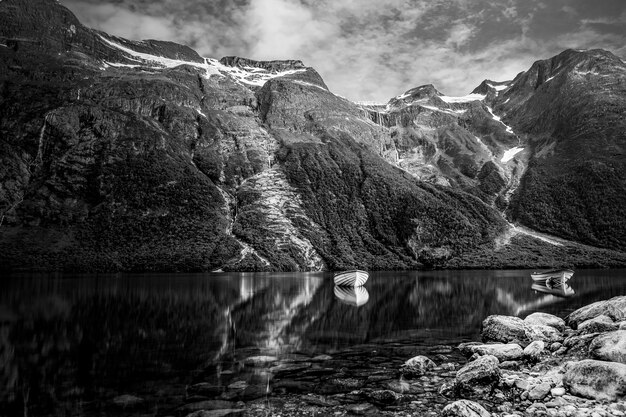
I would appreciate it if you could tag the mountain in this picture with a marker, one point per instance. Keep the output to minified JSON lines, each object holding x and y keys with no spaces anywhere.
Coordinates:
{"x":137,"y":156}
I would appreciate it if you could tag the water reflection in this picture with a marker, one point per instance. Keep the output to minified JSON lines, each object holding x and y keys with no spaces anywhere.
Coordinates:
{"x":558,"y":288}
{"x":70,"y":341}
{"x":354,"y":296}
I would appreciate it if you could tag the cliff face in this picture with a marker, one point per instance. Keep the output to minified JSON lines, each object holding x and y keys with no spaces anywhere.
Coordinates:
{"x":125,"y":155}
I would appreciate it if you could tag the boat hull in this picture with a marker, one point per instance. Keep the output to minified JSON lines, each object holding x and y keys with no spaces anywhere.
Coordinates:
{"x":353,"y":278}
{"x":563,"y":274}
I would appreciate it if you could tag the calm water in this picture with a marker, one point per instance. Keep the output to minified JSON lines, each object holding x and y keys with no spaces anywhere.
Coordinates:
{"x":70,"y":344}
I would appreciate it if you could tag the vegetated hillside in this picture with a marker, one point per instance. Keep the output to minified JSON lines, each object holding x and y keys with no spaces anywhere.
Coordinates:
{"x":127,"y":155}
{"x":572,"y":109}
{"x":122,"y":155}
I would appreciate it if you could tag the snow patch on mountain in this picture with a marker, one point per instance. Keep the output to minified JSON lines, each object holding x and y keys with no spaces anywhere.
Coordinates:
{"x":510,"y":154}
{"x":499,"y":119}
{"x":448,"y":111}
{"x":465,"y":99}
{"x":498,"y":87}
{"x":250,"y":76}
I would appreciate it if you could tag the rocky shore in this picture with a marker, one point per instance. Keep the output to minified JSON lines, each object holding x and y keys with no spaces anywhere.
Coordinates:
{"x":541,"y":365}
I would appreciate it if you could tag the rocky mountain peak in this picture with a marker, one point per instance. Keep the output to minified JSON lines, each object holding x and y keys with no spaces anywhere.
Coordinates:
{"x":570,"y":62}
{"x":272,"y":66}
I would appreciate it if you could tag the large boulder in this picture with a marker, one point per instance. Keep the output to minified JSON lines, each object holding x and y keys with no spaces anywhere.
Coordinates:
{"x":545,"y":319}
{"x":615,"y":308}
{"x":465,"y":408}
{"x":544,"y":333}
{"x":598,"y":380}
{"x":504,"y":352}
{"x":503,"y":329}
{"x":609,"y":347}
{"x":479,"y":375}
{"x":598,"y":324}
{"x":417,"y":366}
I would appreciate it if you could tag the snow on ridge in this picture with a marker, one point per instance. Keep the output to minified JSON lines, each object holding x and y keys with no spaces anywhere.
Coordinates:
{"x":251,"y":75}
{"x":448,"y":111}
{"x":510,"y":154}
{"x":464,"y":99}
{"x":308,"y":84}
{"x":551,"y":78}
{"x":498,"y":87}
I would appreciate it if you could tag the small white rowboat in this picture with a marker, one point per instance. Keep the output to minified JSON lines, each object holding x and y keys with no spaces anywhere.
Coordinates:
{"x":563,"y":274}
{"x":354,"y":278}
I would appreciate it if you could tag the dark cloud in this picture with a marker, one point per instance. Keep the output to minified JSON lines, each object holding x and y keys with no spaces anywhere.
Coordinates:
{"x":375,"y":49}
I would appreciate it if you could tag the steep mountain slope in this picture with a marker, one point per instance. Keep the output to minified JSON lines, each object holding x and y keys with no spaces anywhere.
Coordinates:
{"x":127,"y":155}
{"x":123,"y":155}
{"x":571,"y":109}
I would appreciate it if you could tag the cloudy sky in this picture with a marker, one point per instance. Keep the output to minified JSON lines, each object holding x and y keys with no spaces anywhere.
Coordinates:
{"x":371,"y":50}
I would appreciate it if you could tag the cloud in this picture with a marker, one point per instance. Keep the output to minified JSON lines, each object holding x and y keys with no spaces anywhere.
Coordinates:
{"x":374,"y":49}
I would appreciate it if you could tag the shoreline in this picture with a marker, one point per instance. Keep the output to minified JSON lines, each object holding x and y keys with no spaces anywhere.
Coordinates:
{"x":540,"y":366}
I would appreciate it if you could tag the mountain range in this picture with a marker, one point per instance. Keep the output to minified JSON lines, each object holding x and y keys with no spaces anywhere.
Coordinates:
{"x":121,"y":155}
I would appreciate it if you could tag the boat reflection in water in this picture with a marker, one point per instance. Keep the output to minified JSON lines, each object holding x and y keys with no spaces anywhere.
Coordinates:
{"x":557,"y":287}
{"x":354,"y":296}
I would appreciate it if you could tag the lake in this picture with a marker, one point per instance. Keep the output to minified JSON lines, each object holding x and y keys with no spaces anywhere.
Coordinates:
{"x":72,"y":345}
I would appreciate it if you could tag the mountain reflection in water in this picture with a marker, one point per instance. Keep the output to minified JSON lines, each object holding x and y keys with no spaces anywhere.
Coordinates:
{"x":69,"y":340}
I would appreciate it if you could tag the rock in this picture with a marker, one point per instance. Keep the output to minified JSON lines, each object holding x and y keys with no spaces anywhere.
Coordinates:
{"x":383,"y":397}
{"x":534,"y":350}
{"x":598,"y":324}
{"x":539,"y":392}
{"x":555,"y":346}
{"x":361,"y":409}
{"x":522,"y":384}
{"x":504,"y":329}
{"x":609,"y":347}
{"x":252,"y":392}
{"x":509,"y":365}
{"x":547,"y":334}
{"x":579,"y":343}
{"x":557,"y":392}
{"x":545,"y":319}
{"x":615,"y":308}
{"x":596,"y":379}
{"x":231,"y":412}
{"x":206,"y":405}
{"x":504,"y":352}
{"x":465,"y":408}
{"x":482,"y":372}
{"x":260,"y":360}
{"x":206,"y":389}
{"x":127,"y":401}
{"x":466,"y":348}
{"x":417,"y":366}
{"x":339,"y":385}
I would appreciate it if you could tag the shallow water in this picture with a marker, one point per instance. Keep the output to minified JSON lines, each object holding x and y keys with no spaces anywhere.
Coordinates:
{"x":71,"y":344}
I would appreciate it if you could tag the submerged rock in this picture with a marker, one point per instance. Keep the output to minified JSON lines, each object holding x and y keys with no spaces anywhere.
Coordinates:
{"x":465,"y":408}
{"x":503,"y":329}
{"x":594,"y":379}
{"x":127,"y":401}
{"x":609,"y":347}
{"x":417,"y":366}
